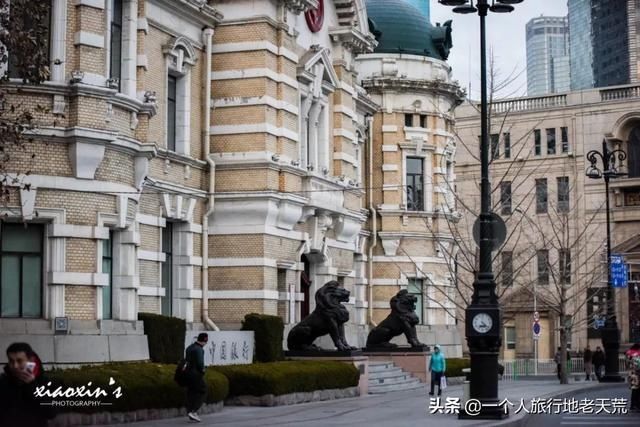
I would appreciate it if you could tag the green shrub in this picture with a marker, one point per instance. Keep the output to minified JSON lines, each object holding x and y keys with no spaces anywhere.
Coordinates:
{"x":268,"y":334}
{"x":166,"y":337}
{"x":280,"y":378}
{"x":143,"y":386}
{"x":455,"y":367}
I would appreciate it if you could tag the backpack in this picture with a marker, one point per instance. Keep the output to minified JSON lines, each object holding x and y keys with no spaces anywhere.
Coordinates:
{"x":181,"y":374}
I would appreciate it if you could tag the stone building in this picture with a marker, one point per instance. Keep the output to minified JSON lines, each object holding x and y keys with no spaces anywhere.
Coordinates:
{"x":555,"y":215}
{"x":222,"y":146}
{"x":411,"y":197}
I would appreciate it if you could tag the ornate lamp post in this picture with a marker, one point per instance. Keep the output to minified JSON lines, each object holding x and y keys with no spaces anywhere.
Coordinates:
{"x":483,"y":317}
{"x":610,"y":332}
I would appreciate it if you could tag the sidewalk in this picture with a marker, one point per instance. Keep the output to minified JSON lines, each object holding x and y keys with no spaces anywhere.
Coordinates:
{"x":400,"y":409}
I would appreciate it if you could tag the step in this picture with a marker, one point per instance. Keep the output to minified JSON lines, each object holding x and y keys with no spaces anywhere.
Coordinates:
{"x":390,"y":380}
{"x":377,"y":367}
{"x":386,"y":374}
{"x":413,"y":385}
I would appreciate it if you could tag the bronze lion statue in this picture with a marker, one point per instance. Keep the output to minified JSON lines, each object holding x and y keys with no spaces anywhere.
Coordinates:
{"x":402,"y":320}
{"x":328,"y":317}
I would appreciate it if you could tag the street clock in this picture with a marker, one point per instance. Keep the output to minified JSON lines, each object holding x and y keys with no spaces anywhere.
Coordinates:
{"x":482,"y":323}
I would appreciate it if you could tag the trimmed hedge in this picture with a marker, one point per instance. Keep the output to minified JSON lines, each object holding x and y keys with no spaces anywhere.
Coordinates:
{"x":166,"y":337}
{"x":280,"y":378}
{"x":268,"y":335}
{"x":143,"y":386}
{"x":455,"y":367}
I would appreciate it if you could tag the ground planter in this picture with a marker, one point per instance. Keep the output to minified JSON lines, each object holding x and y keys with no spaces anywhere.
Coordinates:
{"x":293,"y":398}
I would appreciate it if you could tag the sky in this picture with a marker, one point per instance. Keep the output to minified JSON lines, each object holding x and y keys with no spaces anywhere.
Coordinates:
{"x":505,"y":37}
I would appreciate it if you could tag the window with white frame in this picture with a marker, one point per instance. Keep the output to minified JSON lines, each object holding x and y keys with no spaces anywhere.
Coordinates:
{"x":115,"y":41}
{"x":415,"y":288}
{"x":180,"y":56}
{"x":107,"y":268}
{"x":510,"y":337}
{"x":415,"y":183}
{"x":317,"y":80}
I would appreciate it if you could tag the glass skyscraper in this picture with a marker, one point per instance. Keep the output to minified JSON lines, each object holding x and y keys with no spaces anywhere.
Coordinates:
{"x":610,"y":29}
{"x":580,"y":45}
{"x":548,"y":60}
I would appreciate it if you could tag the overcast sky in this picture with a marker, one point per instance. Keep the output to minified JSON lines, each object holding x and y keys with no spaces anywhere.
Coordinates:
{"x":505,"y":35}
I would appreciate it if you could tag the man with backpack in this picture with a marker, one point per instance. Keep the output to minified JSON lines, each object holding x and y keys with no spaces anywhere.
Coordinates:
{"x":194,"y":376}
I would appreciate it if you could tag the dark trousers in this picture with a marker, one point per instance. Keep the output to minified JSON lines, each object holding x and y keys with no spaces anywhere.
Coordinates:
{"x":599,"y":371}
{"x":435,"y":380}
{"x":196,"y":392}
{"x":559,"y":367}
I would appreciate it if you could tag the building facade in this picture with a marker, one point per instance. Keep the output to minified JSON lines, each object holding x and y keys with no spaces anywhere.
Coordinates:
{"x":547,"y":55}
{"x":553,"y":258}
{"x":206,"y":160}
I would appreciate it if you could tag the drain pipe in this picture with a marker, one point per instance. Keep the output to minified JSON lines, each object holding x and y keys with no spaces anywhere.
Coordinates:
{"x":207,"y":36}
{"x":374,"y":224}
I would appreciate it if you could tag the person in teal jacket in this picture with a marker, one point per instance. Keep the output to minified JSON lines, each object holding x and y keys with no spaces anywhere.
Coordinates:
{"x":437,"y":367}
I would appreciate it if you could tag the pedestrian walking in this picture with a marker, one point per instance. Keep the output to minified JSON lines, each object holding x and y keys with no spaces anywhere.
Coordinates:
{"x":558,"y":359}
{"x":19,"y":405}
{"x":587,"y":357}
{"x":437,"y":367}
{"x":598,"y":362}
{"x":196,"y":386}
{"x":634,"y":385}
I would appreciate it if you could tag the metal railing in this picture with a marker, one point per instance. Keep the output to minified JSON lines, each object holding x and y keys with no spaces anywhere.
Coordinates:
{"x":516,"y":368}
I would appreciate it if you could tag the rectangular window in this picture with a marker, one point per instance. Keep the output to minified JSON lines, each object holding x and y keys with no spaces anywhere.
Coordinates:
{"x":543,"y":267}
{"x":13,"y":64}
{"x":107,"y":268}
{"x":507,"y":268}
{"x":563,"y":194}
{"x":423,"y":121}
{"x":507,"y":145}
{"x":538,"y":142}
{"x":115,"y":45}
{"x":505,"y":198}
{"x":564,"y":135}
{"x":551,"y":141}
{"x":495,"y":146}
{"x":510,"y":337}
{"x":415,"y":183}
{"x":21,"y":258}
{"x":541,"y":195}
{"x":415,"y":288}
{"x":408,"y":120}
{"x":167,"y":269}
{"x":564,"y":265}
{"x":171,"y":112}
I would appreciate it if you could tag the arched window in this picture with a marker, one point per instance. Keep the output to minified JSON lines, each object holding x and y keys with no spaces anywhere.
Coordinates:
{"x":633,"y":153}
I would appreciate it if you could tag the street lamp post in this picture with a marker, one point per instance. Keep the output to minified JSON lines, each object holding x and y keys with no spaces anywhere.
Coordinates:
{"x":610,"y":333}
{"x":483,"y":317}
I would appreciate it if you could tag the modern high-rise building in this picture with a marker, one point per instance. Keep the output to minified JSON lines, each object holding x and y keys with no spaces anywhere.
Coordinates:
{"x":548,"y":55}
{"x":603,"y":42}
{"x":580,"y":46}
{"x":610,"y":30}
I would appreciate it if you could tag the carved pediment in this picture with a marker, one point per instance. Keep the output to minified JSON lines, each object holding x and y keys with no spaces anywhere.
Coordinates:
{"x":318,"y":60}
{"x":299,"y":6}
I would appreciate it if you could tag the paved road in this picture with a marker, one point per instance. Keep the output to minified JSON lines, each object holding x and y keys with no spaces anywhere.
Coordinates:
{"x":602,"y":419}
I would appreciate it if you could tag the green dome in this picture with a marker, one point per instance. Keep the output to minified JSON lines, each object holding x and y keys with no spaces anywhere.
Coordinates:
{"x":400,"y":27}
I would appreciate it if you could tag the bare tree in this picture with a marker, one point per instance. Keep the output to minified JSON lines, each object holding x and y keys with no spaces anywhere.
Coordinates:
{"x":24,"y":55}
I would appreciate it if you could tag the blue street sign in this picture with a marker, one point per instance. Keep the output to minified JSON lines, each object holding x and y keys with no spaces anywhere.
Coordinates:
{"x":536,"y":328}
{"x":619,"y":272}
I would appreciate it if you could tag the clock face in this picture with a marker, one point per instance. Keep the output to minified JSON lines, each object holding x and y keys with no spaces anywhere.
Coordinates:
{"x":315,"y":17}
{"x":482,"y":323}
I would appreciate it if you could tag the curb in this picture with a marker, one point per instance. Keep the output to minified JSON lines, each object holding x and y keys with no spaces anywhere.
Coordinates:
{"x":518,"y":419}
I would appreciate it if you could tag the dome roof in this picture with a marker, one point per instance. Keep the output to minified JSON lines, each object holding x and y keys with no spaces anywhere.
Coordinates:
{"x":400,"y":27}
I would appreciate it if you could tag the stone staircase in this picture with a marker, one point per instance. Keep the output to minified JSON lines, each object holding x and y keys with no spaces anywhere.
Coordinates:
{"x":385,"y":377}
